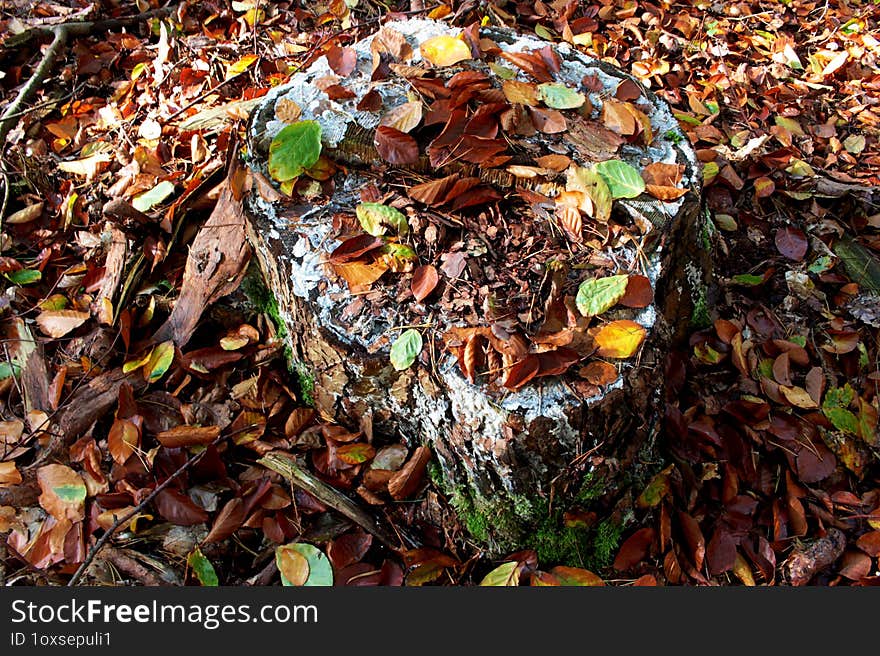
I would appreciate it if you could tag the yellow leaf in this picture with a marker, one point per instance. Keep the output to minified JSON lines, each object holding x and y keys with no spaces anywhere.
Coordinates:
{"x":241,"y":65}
{"x":798,"y":397}
{"x":620,"y":339}
{"x":445,"y":50}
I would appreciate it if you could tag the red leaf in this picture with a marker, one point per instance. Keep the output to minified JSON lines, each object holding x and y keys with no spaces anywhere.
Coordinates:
{"x":522,"y":372}
{"x":555,"y":363}
{"x":628,"y":90}
{"x":406,"y":482}
{"x":341,"y":60}
{"x":791,"y":243}
{"x":634,"y":549}
{"x":694,"y":538}
{"x":396,"y":147}
{"x":228,"y":520}
{"x":181,"y":436}
{"x":638,"y":292}
{"x":424,"y":280}
{"x":870,"y":543}
{"x":855,"y":565}
{"x":354,"y":247}
{"x":371,"y":102}
{"x":349,"y":548}
{"x":721,"y":552}
{"x":433,"y":192}
{"x":179,"y":509}
{"x":816,"y":463}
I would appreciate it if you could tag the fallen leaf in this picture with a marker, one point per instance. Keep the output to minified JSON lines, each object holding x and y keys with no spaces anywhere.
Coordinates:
{"x":620,"y":339}
{"x":63,"y":492}
{"x":57,"y":323}
{"x":424,"y":281}
{"x":186,"y":436}
{"x":634,"y":549}
{"x":445,"y":50}
{"x":407,"y":481}
{"x":396,"y":147}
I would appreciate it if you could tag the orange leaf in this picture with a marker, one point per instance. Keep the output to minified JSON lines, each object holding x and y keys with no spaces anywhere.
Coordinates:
{"x":424,"y":280}
{"x":359,"y":274}
{"x":620,"y":339}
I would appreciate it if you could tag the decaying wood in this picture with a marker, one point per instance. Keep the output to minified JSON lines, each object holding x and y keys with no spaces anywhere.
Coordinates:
{"x":94,"y":400}
{"x":509,"y":455}
{"x":809,"y":559}
{"x":216,"y":263}
{"x":289,"y":469}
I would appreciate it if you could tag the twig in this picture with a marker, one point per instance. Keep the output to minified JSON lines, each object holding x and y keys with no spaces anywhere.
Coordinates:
{"x":60,"y":35}
{"x":193,"y":459}
{"x":287,"y":467}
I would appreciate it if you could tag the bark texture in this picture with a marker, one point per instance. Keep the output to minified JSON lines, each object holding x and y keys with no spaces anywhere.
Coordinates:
{"x":509,"y":460}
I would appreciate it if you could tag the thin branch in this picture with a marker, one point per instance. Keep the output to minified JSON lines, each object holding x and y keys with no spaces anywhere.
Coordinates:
{"x":60,"y":35}
{"x":193,"y":459}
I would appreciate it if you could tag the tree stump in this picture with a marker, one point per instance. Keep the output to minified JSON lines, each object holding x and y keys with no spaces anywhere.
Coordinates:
{"x":528,"y":414}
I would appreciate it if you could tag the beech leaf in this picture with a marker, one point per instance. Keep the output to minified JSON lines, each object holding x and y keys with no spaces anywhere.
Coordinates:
{"x":376,"y":218}
{"x":406,"y":349}
{"x":445,"y":50}
{"x":599,"y":294}
{"x":295,"y":148}
{"x":623,"y":180}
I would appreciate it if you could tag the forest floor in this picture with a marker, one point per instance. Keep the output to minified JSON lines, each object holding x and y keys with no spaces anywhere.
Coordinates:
{"x":771,"y":425}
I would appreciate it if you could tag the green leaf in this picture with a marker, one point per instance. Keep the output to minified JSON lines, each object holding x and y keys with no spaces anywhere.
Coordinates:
{"x":160,"y":360}
{"x":839,"y":396}
{"x":843,"y":419}
{"x":622,"y":179}
{"x":376,"y":218}
{"x":748,"y":279}
{"x":710,"y":170}
{"x":593,"y":185}
{"x":502,"y":71}
{"x":149,"y":199}
{"x":599,"y":294}
{"x":398,"y":257}
{"x":70,"y":493}
{"x":506,"y":574}
{"x":8,"y":370}
{"x":320,"y":572}
{"x":821,"y":264}
{"x":24,"y":276}
{"x":295,"y":148}
{"x":559,"y":96}
{"x":54,"y":302}
{"x":202,"y":568}
{"x":406,"y":349}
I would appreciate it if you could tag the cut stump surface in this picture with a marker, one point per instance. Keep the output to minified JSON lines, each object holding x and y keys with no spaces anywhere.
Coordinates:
{"x":526,"y":403}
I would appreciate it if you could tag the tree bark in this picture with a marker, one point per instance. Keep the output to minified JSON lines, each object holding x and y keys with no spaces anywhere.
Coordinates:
{"x":510,"y":461}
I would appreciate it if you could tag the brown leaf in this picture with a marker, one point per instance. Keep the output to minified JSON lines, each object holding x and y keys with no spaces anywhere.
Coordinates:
{"x":531,"y":63}
{"x":63,"y":492}
{"x":424,"y":281}
{"x":396,"y":147}
{"x":371,"y":101}
{"x":694,"y":538}
{"x":791,"y":243}
{"x":404,"y":117}
{"x":557,"y":362}
{"x":553,"y":162}
{"x":360,"y":274}
{"x":599,"y":373}
{"x":407,"y":481}
{"x":782,"y":369}
{"x":548,"y":121}
{"x":522,"y":372}
{"x":57,"y":323}
{"x":433,"y":192}
{"x":638,"y":292}
{"x":299,"y":418}
{"x":9,"y":474}
{"x":349,"y":548}
{"x":618,"y":118}
{"x":185,"y":436}
{"x":855,"y":565}
{"x":341,"y":59}
{"x":634,"y":549}
{"x":122,"y":440}
{"x":870,"y":543}
{"x":627,"y":90}
{"x":815,"y":463}
{"x":228,"y":520}
{"x":178,"y":508}
{"x":354,"y":247}
{"x":524,"y":93}
{"x":721,"y":552}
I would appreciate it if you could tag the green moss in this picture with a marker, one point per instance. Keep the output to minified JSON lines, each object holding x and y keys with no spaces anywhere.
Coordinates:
{"x":700,"y":317}
{"x":591,"y":489}
{"x":606,"y":542}
{"x":264,"y":302}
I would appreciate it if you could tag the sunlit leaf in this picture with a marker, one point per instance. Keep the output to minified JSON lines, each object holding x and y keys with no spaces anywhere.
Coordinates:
{"x":406,"y":349}
{"x":160,"y":360}
{"x":24,"y":276}
{"x":560,"y":96}
{"x":596,"y":295}
{"x":623,"y":180}
{"x":445,"y":50}
{"x":149,"y":199}
{"x":295,"y":148}
{"x":376,"y":218}
{"x":594,"y":186}
{"x":506,"y":574}
{"x":620,"y":339}
{"x":57,"y":323}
